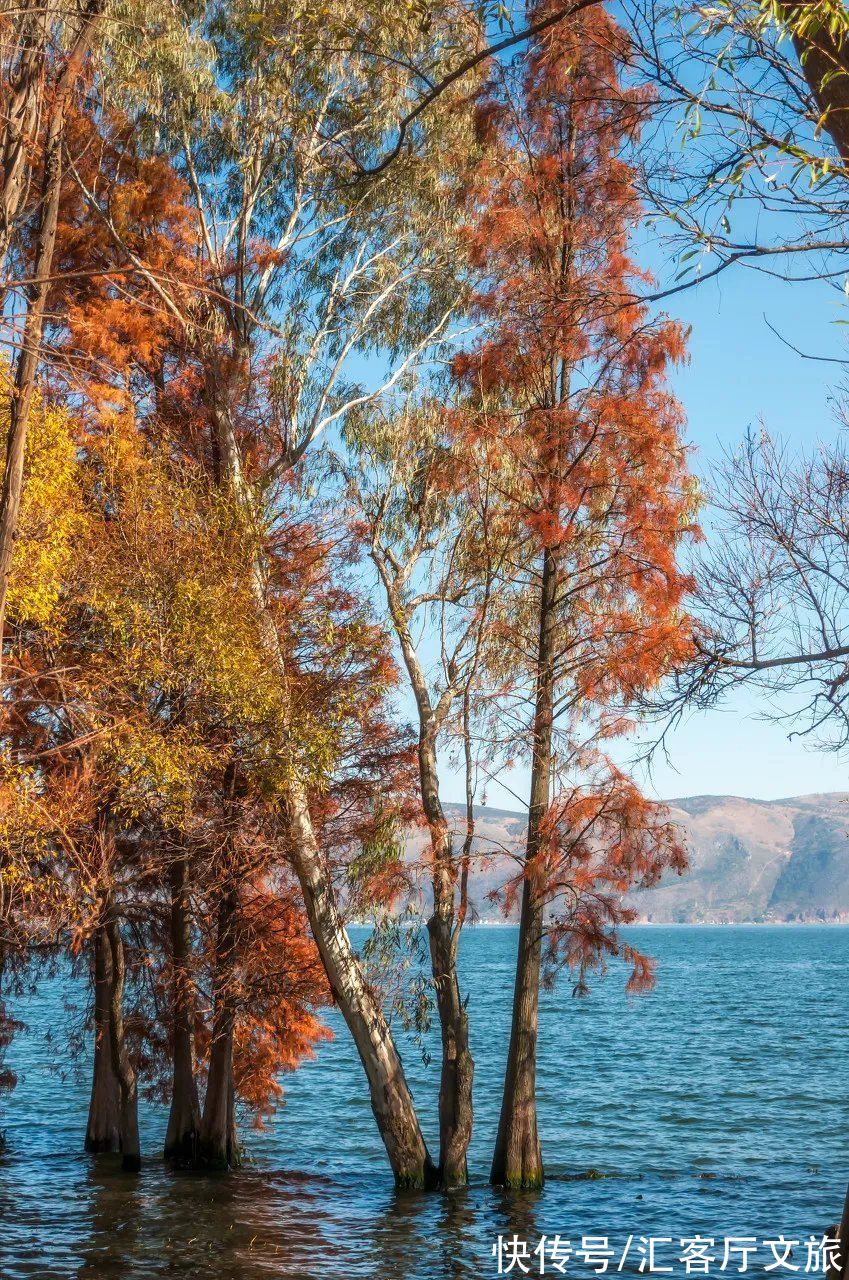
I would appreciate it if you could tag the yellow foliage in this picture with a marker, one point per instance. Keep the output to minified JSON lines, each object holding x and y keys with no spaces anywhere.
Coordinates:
{"x":50,"y":518}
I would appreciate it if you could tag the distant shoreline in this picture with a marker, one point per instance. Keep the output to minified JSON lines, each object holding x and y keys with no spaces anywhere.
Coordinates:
{"x":695,"y":924}
{"x":664,"y":924}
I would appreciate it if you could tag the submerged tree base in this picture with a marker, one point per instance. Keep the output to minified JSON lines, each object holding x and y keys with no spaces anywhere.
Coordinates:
{"x":213,"y":1158}
{"x":182,"y":1153}
{"x":426,"y":1178}
{"x":102,"y":1146}
{"x":512,"y":1181}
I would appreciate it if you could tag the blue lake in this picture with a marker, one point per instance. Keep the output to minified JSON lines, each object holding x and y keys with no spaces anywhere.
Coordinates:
{"x":718,"y":1105}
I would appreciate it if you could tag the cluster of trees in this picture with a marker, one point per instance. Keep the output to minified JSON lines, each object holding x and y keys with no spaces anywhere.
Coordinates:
{"x":330,"y":377}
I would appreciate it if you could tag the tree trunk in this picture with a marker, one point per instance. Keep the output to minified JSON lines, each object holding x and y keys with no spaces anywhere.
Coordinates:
{"x":457,"y":1072}
{"x":824,"y":60}
{"x":121,"y":1065}
{"x":391,"y":1100}
{"x":841,"y":1270}
{"x":27,"y":363}
{"x":517,"y":1160}
{"x":217,"y":1148}
{"x":457,"y":1067}
{"x":103,"y":1132}
{"x":181,"y":1136}
{"x":23,"y":97}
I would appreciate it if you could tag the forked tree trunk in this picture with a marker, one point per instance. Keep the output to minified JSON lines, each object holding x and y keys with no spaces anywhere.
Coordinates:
{"x":391,"y":1100}
{"x":457,"y":1066}
{"x":517,"y":1160}
{"x":103,"y":1132}
{"x":457,"y":1070}
{"x":121,"y":1064}
{"x":181,"y":1136}
{"x":217,"y":1148}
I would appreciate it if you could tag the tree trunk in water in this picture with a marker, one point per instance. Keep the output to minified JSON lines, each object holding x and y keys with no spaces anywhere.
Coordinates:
{"x":121,"y":1065}
{"x":458,"y":1068}
{"x":103,"y":1132}
{"x":27,"y":363}
{"x":457,"y":1072}
{"x":517,"y":1160}
{"x":217,"y":1148}
{"x":840,"y":1270}
{"x":234,"y":1150}
{"x":181,"y":1136}
{"x":391,"y":1100}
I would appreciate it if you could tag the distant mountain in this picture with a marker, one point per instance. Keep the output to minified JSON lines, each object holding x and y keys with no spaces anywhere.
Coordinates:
{"x":779,"y":860}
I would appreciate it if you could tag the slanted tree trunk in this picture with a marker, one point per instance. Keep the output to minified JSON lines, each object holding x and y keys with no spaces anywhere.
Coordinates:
{"x":103,"y":1132}
{"x":391,"y":1100}
{"x":517,"y":1160}
{"x":27,"y":363}
{"x":217,"y":1148}
{"x":181,"y":1136}
{"x":121,"y":1064}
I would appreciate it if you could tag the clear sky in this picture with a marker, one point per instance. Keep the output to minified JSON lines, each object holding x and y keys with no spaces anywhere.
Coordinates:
{"x":740,"y":374}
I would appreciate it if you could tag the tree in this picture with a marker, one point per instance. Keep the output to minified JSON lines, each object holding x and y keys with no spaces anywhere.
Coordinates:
{"x":567,"y":392}
{"x":143,"y":742}
{"x":770,"y":589}
{"x":353,"y":269}
{"x":430,"y":549}
{"x":26,"y":102}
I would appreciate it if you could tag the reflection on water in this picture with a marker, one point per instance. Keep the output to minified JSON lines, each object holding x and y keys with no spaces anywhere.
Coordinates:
{"x":719,"y":1105}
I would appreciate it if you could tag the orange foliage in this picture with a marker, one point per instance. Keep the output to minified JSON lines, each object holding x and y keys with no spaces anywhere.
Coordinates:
{"x":566,"y":397}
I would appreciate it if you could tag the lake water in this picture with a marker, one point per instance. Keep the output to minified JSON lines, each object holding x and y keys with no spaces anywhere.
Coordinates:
{"x":718,"y":1105}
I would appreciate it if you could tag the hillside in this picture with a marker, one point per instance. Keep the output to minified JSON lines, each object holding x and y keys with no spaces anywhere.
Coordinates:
{"x":780,"y":860}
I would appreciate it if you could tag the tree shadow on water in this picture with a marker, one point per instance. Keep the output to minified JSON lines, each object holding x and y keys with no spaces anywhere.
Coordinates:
{"x":158,"y":1223}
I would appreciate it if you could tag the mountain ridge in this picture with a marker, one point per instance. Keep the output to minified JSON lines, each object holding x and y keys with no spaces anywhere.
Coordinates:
{"x":779,"y":861}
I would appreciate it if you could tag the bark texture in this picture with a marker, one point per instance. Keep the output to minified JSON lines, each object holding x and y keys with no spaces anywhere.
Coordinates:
{"x":181,"y":1136}
{"x":391,"y":1100}
{"x":121,"y":1064}
{"x":517,"y":1159}
{"x":103,"y":1131}
{"x":825,"y":63}
{"x":23,"y":99}
{"x":457,"y":1070}
{"x":217,"y":1147}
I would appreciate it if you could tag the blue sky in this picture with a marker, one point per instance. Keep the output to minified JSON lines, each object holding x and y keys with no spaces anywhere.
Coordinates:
{"x":740,"y":374}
